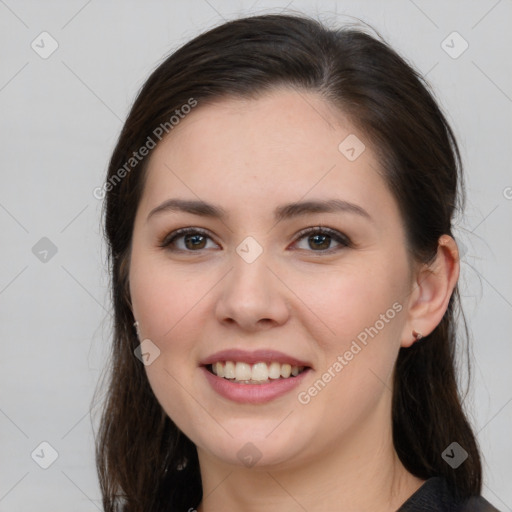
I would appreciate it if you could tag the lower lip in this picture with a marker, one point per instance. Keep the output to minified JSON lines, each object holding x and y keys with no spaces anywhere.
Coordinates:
{"x":253,"y":393}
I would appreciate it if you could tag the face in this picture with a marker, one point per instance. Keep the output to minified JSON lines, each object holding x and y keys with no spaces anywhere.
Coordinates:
{"x":255,"y":290}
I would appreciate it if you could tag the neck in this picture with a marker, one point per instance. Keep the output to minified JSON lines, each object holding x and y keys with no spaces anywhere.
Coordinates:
{"x":363,"y":472}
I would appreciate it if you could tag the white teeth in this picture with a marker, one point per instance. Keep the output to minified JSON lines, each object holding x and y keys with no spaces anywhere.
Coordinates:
{"x":274,"y":370}
{"x":286,"y":370}
{"x":243,"y":371}
{"x":229,"y":370}
{"x":218,"y":369}
{"x":257,"y":373}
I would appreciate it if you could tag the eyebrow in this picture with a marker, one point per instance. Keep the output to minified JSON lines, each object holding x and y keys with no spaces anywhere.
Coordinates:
{"x":283,"y":212}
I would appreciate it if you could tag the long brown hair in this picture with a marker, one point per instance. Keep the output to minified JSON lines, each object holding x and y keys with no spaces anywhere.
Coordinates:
{"x":140,"y":453}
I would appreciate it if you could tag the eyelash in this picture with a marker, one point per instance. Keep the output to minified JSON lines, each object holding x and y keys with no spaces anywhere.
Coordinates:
{"x":342,"y":239}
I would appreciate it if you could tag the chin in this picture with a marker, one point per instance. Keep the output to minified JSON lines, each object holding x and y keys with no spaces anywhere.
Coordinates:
{"x":254,"y":447}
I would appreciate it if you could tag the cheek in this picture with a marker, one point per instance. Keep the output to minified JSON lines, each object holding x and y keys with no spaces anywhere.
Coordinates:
{"x":163,"y":298}
{"x":349,"y":301}
{"x":365,"y":311}
{"x":167,"y":304}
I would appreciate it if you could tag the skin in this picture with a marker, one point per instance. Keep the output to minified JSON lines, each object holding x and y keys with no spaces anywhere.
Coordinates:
{"x":250,"y":156}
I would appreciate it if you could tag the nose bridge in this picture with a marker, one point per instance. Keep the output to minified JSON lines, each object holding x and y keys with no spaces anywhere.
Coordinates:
{"x":251,"y":292}
{"x":250,"y":272}
{"x":249,"y":249}
{"x":251,"y":268}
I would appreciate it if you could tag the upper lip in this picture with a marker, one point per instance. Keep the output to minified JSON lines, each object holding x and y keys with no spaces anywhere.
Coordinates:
{"x":253,"y":357}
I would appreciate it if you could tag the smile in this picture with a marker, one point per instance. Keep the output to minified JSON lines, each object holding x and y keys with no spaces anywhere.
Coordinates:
{"x":258,"y":373}
{"x":253,"y":377}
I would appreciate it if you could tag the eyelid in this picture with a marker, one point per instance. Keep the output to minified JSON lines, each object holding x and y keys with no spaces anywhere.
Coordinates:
{"x":334,"y":234}
{"x":177,"y":233}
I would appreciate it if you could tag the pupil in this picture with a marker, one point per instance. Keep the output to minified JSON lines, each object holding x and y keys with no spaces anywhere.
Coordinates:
{"x":195,"y":243}
{"x":324,"y":237}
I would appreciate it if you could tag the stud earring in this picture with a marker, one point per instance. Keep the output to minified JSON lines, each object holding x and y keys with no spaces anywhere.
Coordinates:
{"x":136,"y":325}
{"x":417,"y":335}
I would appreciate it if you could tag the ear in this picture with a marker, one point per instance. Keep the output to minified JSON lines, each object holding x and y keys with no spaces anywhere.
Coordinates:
{"x":432,"y":288}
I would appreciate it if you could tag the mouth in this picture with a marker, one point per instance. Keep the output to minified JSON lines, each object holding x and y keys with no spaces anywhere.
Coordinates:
{"x":254,"y":377}
{"x":258,"y":373}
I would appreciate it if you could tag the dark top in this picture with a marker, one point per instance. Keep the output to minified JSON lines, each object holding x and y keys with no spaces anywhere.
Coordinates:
{"x":435,"y":496}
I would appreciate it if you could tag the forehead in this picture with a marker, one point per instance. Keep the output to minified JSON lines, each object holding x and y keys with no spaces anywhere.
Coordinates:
{"x":256,"y":151}
{"x":283,"y":123}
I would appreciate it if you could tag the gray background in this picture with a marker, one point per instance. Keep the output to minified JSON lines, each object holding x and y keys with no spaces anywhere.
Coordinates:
{"x":60,"y":118}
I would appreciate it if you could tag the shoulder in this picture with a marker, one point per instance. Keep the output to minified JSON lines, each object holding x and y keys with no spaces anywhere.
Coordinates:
{"x":477,"y":504}
{"x":436,"y":496}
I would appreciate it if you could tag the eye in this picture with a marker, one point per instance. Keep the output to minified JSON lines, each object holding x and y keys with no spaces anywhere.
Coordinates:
{"x":194,"y":240}
{"x":320,"y":239}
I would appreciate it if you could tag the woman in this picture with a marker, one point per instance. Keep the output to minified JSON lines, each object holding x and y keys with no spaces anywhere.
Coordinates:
{"x":284,"y":279}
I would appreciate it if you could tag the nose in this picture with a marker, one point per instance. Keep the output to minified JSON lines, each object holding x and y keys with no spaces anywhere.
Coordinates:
{"x":252,"y":296}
